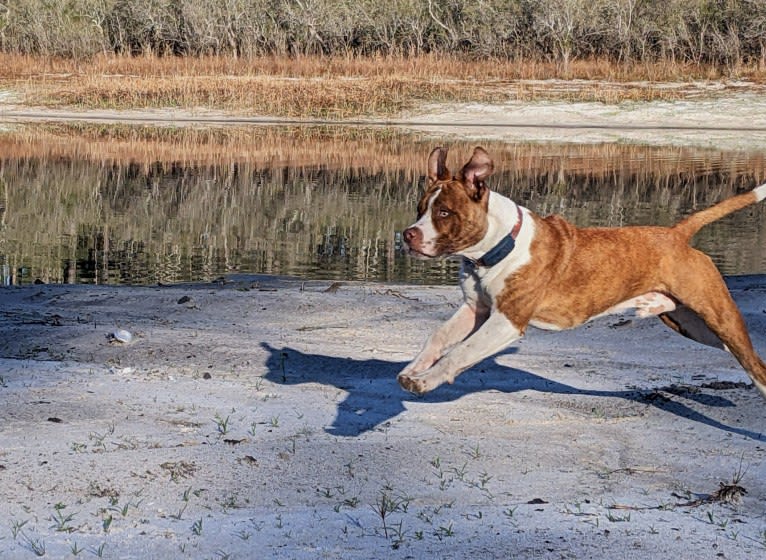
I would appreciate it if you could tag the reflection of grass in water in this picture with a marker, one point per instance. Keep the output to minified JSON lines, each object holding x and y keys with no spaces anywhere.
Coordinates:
{"x":169,"y":205}
{"x":376,"y":149}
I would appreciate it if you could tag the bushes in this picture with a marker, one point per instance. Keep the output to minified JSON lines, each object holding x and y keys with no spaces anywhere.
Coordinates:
{"x":723,"y":33}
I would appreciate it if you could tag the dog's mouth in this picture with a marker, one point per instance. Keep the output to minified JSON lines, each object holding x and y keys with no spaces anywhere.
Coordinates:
{"x":415,"y":253}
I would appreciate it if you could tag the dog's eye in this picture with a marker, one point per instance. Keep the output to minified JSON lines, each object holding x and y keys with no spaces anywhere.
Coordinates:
{"x":443,"y":213}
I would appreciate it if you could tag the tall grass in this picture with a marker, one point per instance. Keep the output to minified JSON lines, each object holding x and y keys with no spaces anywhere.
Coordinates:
{"x":723,"y":33}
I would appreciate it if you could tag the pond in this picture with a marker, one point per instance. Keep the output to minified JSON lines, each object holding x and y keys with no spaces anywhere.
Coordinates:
{"x":139,"y":205}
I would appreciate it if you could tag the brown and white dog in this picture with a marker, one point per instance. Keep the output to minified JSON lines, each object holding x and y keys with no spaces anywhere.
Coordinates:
{"x":520,"y":269}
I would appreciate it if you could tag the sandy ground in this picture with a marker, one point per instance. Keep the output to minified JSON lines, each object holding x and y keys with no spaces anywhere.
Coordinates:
{"x":736,"y":122}
{"x":261,"y":418}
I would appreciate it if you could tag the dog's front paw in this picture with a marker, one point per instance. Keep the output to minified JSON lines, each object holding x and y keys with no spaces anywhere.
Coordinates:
{"x":422,"y":382}
{"x":412,"y":383}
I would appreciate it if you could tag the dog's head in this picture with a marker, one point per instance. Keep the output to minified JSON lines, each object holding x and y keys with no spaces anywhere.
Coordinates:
{"x":452,"y":213}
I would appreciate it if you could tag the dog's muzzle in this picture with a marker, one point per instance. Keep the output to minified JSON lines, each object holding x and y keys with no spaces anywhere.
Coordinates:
{"x":413,"y":242}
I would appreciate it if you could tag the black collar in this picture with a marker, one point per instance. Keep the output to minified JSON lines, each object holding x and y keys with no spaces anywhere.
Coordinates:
{"x":501,"y":250}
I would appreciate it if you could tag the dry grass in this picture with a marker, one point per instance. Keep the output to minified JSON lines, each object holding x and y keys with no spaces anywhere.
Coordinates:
{"x":334,"y":87}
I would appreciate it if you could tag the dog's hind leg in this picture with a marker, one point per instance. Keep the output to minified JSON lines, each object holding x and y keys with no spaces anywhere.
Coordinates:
{"x":705,"y":293}
{"x":686,"y":322}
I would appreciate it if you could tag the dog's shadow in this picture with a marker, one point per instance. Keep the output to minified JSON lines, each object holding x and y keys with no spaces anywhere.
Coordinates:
{"x":374,"y":396}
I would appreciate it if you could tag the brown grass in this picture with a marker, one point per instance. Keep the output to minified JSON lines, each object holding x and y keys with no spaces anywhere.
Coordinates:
{"x":335,"y":87}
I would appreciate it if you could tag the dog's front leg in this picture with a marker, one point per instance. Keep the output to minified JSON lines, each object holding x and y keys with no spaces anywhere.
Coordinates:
{"x":467,"y":318}
{"x":496,"y":333}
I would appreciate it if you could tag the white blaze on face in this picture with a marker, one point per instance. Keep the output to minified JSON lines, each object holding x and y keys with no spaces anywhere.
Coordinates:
{"x":426,"y":226}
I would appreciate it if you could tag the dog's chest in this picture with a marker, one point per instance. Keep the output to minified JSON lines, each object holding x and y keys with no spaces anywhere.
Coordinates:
{"x":485,"y":285}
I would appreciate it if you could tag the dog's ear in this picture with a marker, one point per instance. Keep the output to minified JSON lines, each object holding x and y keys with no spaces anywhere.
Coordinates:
{"x":473,"y":174}
{"x":437,"y":166}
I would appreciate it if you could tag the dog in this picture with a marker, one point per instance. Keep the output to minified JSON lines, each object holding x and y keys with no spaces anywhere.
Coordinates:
{"x":520,"y":269}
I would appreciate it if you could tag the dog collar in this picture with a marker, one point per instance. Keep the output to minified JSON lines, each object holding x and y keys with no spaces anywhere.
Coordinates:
{"x":503,"y":247}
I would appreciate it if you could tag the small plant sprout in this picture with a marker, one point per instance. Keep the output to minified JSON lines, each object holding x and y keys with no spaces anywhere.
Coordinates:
{"x":444,"y":531}
{"x":398,"y":535}
{"x":61,"y":521}
{"x":229,"y":502}
{"x":484,"y":478}
{"x":99,"y":440}
{"x":75,"y":550}
{"x":461,"y":472}
{"x":122,"y":509}
{"x":618,"y":518}
{"x":16,"y":527}
{"x":221,"y":424}
{"x":178,"y":516}
{"x":350,"y":469}
{"x":293,"y":439}
{"x":509,"y":511}
{"x":78,"y":447}
{"x":352,"y":502}
{"x":387,"y":505}
{"x":197,"y":527}
{"x":35,"y":544}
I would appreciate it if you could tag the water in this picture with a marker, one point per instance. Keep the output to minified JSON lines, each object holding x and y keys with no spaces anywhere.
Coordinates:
{"x":144,"y":207}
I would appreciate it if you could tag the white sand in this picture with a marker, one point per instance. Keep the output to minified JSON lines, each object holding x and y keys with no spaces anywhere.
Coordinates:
{"x":570,"y":445}
{"x":733,"y":122}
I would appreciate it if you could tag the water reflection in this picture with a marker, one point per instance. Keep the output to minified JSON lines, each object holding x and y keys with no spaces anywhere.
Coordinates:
{"x":129,"y":206}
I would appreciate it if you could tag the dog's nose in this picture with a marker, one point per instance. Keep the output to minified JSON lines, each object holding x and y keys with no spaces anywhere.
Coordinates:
{"x":412,"y":235}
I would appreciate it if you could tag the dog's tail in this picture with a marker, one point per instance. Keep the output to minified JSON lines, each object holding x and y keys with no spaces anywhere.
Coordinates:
{"x":691,"y":225}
